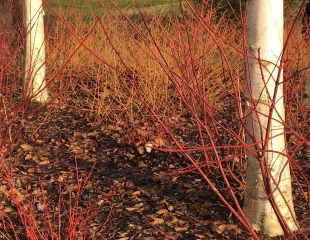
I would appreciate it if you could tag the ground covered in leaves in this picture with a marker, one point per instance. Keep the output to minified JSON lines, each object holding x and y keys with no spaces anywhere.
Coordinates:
{"x":74,"y":177}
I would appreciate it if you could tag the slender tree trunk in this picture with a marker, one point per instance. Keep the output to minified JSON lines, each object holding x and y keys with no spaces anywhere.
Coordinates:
{"x":35,"y":51}
{"x":268,"y":199}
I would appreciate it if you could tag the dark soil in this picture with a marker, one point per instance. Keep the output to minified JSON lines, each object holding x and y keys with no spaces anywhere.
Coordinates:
{"x":68,"y":167}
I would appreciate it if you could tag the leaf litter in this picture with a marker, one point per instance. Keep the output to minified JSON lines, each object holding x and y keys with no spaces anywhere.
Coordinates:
{"x":118,"y":188}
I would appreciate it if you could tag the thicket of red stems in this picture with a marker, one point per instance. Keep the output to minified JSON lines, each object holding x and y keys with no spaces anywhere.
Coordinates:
{"x":188,"y":73}
{"x":203,"y":55}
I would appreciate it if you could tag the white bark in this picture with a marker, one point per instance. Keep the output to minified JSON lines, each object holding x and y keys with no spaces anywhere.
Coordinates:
{"x":35,"y":51}
{"x":265,"y":86}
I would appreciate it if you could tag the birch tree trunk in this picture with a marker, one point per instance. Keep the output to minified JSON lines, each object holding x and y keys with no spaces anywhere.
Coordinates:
{"x":35,"y":85}
{"x":268,"y":198}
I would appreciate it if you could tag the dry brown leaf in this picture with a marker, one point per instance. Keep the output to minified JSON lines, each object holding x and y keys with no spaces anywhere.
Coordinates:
{"x":174,"y":220}
{"x":159,"y":142}
{"x":131,"y":209}
{"x":136,"y":193}
{"x":43,"y":161}
{"x":26,"y":147}
{"x":8,"y":210}
{"x":157,"y":221}
{"x":181,"y":229}
{"x":226,"y":228}
{"x":141,"y":150}
{"x":135,"y":208}
{"x":162,"y":212}
{"x":141,"y":164}
{"x":28,"y":156}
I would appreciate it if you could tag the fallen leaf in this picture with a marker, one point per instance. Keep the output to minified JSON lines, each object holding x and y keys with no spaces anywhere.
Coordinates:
{"x":173,"y":221}
{"x":28,"y":156}
{"x":136,"y":193}
{"x":131,"y":209}
{"x":8,"y":210}
{"x":227,"y":228}
{"x":26,"y":147}
{"x":123,"y":238}
{"x":181,"y":229}
{"x":159,"y":142}
{"x":148,"y":147}
{"x":61,"y":178}
{"x":30,"y":170}
{"x":40,"y":207}
{"x":141,"y":150}
{"x":170,"y":208}
{"x":175,"y":179}
{"x":43,"y":161}
{"x":162,"y":212}
{"x":141,"y":164}
{"x":157,"y":221}
{"x":135,"y":208}
{"x":200,"y":236}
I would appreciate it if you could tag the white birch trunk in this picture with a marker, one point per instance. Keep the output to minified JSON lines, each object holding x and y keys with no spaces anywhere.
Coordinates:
{"x":265,"y":86}
{"x":35,"y":51}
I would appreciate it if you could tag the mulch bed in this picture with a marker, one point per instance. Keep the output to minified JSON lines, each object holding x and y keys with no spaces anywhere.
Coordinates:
{"x":70,"y":168}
